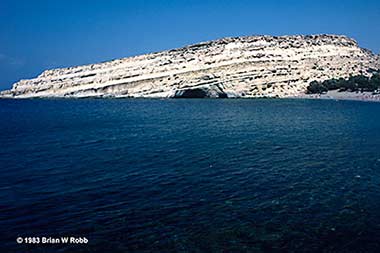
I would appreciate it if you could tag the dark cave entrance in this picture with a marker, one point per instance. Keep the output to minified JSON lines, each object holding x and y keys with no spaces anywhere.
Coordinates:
{"x":193,"y":93}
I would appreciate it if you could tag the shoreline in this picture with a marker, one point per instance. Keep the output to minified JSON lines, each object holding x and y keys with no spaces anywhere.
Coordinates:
{"x":330,"y":95}
{"x":344,"y":95}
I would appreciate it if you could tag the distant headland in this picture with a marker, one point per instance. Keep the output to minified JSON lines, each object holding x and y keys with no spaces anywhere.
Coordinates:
{"x":247,"y":67}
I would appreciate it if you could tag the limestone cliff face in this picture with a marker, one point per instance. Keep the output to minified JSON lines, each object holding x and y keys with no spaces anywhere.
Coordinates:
{"x":253,"y":66}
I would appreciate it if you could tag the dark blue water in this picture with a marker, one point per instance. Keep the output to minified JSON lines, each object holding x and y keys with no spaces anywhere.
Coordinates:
{"x":191,"y":175}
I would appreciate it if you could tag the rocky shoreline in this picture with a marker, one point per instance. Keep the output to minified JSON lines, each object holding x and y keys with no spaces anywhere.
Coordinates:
{"x":330,"y":95}
{"x":247,"y":67}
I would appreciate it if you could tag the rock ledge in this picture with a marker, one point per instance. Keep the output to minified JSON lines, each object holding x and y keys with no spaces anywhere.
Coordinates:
{"x":251,"y":66}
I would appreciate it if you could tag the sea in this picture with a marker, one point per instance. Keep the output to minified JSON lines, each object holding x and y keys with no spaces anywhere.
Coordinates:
{"x":189,"y":175}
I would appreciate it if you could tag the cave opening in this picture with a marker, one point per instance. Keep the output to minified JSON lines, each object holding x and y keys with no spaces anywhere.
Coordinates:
{"x":193,"y":93}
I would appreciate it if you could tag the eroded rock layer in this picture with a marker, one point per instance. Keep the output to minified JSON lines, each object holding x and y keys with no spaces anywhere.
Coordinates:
{"x":252,"y":66}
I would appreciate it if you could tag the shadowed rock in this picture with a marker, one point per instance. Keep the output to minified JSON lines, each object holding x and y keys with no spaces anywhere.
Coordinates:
{"x":200,"y":93}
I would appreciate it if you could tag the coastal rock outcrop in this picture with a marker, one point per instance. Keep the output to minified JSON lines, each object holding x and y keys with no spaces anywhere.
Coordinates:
{"x":251,"y":66}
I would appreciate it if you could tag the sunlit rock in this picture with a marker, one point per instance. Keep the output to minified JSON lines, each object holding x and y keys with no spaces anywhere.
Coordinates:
{"x":252,"y":66}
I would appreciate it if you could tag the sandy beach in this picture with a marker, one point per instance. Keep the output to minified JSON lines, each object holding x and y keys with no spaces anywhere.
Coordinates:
{"x":334,"y":94}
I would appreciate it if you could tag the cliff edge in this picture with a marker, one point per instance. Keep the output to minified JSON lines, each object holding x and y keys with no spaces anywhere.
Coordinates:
{"x":251,"y":66}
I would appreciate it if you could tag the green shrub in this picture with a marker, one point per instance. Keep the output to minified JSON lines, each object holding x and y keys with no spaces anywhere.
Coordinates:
{"x":316,"y":88}
{"x":353,"y":83}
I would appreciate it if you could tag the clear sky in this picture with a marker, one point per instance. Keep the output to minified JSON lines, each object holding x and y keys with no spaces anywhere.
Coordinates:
{"x":38,"y":35}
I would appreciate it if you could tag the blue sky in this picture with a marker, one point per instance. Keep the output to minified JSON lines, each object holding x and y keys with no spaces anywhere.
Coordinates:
{"x":38,"y":35}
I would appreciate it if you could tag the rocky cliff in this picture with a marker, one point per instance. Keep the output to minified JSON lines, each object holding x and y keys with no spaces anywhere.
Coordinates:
{"x":252,"y":66}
